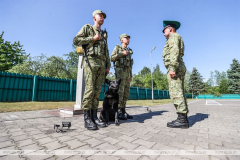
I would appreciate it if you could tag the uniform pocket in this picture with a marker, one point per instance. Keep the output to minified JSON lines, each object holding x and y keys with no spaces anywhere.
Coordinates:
{"x":119,"y":71}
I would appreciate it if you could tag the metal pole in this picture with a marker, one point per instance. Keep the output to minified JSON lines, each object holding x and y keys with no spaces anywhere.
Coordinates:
{"x":151,"y":74}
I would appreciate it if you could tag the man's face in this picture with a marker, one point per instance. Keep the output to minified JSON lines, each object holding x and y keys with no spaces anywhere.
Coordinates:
{"x":99,"y":18}
{"x":125,"y":40}
{"x":167,"y":32}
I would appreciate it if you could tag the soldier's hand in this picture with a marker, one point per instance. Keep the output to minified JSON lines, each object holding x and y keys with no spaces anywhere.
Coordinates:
{"x":125,"y":53}
{"x":97,"y":37}
{"x":172,"y":74}
{"x":107,"y":72}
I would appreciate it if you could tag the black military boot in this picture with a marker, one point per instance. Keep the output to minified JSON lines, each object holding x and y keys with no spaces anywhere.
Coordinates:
{"x":180,"y":122}
{"x":128,"y":116}
{"x":96,"y":120}
{"x":88,"y":121}
{"x":178,"y":119}
{"x":121,"y":114}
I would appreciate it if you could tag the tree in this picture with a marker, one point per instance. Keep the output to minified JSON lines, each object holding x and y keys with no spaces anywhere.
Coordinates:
{"x":145,"y":71}
{"x":138,"y":80}
{"x":31,"y":66}
{"x":234,"y":77}
{"x":186,"y":80}
{"x":143,"y":79}
{"x":72,"y":59}
{"x":223,"y":86}
{"x":196,"y":82}
{"x":45,"y":66}
{"x":10,"y":54}
{"x":56,"y":67}
{"x":159,"y":79}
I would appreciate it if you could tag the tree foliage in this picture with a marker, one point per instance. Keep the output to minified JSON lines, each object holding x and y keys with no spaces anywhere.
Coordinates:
{"x":53,"y":66}
{"x":143,"y":79}
{"x":11,"y":54}
{"x":234,"y":77}
{"x":196,"y":82}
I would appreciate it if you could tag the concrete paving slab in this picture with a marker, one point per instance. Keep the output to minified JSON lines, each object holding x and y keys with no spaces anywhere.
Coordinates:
{"x":212,"y":127}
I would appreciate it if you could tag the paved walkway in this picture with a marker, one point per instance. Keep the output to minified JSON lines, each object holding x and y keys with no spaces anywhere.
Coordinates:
{"x":215,"y":125}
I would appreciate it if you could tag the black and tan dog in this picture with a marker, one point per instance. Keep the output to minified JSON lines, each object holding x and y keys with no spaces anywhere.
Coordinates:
{"x":110,"y":103}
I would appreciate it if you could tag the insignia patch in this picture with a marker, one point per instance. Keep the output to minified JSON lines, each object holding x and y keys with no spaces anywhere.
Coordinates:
{"x":171,"y":44}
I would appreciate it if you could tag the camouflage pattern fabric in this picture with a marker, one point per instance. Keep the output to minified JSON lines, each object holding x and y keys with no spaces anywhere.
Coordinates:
{"x":93,"y":83}
{"x":172,"y":57}
{"x":99,"y":61}
{"x":124,"y":72}
{"x":99,"y":49}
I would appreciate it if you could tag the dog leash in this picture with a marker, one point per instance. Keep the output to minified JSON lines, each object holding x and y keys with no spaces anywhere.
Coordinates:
{"x":105,"y":83}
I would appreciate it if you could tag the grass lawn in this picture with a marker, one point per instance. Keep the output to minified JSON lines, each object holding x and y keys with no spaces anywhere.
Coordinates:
{"x":32,"y":106}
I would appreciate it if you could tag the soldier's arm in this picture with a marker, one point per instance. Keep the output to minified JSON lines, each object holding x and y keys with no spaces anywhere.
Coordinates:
{"x":108,"y":64}
{"x":174,"y":53}
{"x":131,"y":65}
{"x":115,"y":55}
{"x":82,"y":38}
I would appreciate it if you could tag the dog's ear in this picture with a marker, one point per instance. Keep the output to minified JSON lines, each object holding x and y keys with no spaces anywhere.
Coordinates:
{"x":119,"y":81}
{"x":107,"y":81}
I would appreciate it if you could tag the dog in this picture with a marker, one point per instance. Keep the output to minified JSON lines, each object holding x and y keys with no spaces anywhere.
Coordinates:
{"x":110,"y":103}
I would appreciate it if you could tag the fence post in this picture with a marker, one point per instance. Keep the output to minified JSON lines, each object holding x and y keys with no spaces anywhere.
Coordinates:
{"x":146,"y":92}
{"x":34,"y":91}
{"x":138,"y":93}
{"x":71,"y":90}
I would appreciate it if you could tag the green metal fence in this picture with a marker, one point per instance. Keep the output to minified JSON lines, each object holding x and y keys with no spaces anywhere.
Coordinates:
{"x":19,"y":87}
{"x":223,"y":96}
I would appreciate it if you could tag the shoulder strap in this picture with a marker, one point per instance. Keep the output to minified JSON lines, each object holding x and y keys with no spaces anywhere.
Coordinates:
{"x":90,"y":44}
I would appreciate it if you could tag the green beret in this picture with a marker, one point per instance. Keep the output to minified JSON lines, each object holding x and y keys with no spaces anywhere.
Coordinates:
{"x":174,"y":24}
{"x":99,"y":12}
{"x":123,"y":36}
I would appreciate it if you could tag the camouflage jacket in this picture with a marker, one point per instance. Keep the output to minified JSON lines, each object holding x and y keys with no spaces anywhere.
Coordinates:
{"x":173,"y":52}
{"x":99,"y":49}
{"x":121,"y":61}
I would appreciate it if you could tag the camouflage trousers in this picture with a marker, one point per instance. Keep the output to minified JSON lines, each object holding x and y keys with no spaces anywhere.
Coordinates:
{"x":124,"y":75}
{"x":177,"y":94}
{"x":94,"y":79}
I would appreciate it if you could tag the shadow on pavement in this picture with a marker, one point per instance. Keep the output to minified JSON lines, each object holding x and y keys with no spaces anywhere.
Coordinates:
{"x":196,"y":118}
{"x":140,"y":118}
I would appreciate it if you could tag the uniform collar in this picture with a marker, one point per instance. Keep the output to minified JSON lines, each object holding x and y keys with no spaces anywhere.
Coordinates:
{"x":96,"y":28}
{"x":171,"y":35}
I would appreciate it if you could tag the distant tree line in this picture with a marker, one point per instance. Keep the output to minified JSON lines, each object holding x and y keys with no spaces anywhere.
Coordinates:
{"x":14,"y":59}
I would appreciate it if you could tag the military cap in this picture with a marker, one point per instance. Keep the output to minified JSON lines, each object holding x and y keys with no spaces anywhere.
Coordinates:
{"x":174,"y":24}
{"x":123,"y":36}
{"x":99,"y":12}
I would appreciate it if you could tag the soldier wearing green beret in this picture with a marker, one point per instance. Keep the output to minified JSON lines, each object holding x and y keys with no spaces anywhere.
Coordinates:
{"x":172,"y":57}
{"x":122,"y":60}
{"x":94,"y":40}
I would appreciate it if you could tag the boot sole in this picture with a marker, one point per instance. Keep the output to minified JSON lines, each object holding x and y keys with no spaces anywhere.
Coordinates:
{"x":102,"y":126}
{"x":183,"y":127}
{"x":91,"y":128}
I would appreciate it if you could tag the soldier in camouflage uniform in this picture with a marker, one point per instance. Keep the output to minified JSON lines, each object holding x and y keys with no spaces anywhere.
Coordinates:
{"x":172,"y":56}
{"x":94,"y":72}
{"x":122,"y":60}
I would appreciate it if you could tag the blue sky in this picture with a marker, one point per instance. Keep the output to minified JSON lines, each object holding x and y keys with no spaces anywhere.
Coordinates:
{"x":210,"y":28}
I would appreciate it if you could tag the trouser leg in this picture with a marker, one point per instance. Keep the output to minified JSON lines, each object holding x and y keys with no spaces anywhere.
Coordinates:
{"x":89,"y":77}
{"x":121,"y":91}
{"x":126,"y":96}
{"x":177,"y":94}
{"x":100,"y":78}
